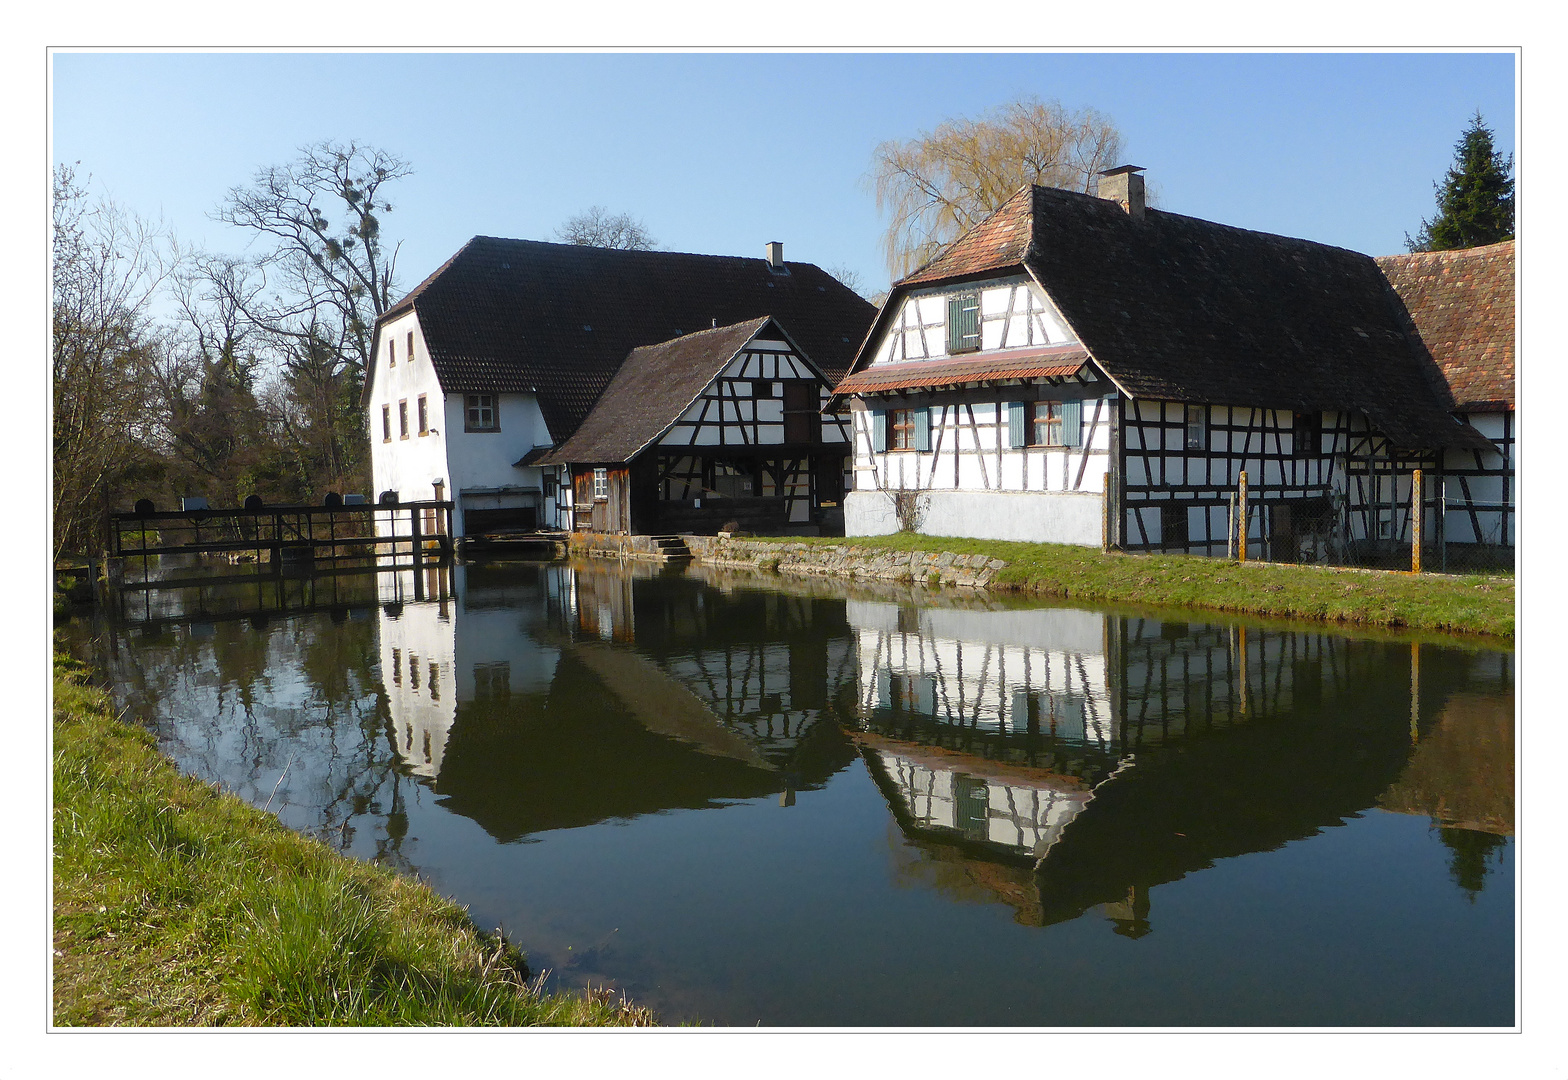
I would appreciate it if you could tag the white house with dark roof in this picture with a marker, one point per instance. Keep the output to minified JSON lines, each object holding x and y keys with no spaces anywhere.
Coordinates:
{"x":499,"y":356}
{"x":1082,"y":369}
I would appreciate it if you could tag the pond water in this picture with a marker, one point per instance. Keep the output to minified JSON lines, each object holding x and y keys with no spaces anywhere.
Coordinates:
{"x":742,"y":799}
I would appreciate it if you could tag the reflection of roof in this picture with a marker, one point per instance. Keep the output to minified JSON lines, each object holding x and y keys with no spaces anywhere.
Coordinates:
{"x":514,"y":316}
{"x":1020,"y":364}
{"x":1462,"y":304}
{"x":1178,"y":308}
{"x":663,"y":705}
{"x":654,"y":386}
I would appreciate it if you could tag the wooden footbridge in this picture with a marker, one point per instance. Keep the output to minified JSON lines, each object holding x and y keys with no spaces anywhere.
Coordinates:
{"x":280,"y":537}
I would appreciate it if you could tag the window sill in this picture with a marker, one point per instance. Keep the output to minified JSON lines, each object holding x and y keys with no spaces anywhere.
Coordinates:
{"x":481,"y":431}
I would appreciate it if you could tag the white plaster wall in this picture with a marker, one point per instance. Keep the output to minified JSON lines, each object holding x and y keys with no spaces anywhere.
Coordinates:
{"x":406,"y":466}
{"x":1014,"y":313}
{"x":1053,"y":517}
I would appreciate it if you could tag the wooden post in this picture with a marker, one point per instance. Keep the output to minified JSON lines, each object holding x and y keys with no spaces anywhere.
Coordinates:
{"x":1416,"y":515}
{"x":1241,"y":519}
{"x":1105,"y":516}
{"x":1230,"y":526}
{"x":413,"y":533}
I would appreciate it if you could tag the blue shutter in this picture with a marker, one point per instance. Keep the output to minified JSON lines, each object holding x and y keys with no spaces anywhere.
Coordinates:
{"x":922,"y":419}
{"x":1072,"y":423}
{"x":963,"y":323}
{"x":878,"y":431}
{"x":1016,"y":435}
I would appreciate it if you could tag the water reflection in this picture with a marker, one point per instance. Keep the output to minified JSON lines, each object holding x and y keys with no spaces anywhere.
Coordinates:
{"x":892,"y":761}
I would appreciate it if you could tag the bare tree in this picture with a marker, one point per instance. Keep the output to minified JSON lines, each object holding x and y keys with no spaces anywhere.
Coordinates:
{"x":107,"y":267}
{"x":312,"y":293}
{"x":597,"y":227}
{"x":941,"y":183}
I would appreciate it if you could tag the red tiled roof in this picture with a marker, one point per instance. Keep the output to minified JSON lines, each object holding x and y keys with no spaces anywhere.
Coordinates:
{"x":999,"y":241}
{"x":1462,"y":305}
{"x":1025,"y":364}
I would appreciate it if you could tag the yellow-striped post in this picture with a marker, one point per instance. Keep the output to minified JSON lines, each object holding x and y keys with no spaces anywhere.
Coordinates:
{"x":1416,"y":515}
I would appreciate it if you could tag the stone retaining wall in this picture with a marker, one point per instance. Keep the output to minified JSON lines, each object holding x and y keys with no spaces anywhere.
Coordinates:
{"x":846,"y":560}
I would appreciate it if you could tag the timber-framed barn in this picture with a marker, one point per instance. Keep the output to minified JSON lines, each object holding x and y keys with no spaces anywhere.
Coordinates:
{"x":720,"y":427}
{"x":1087,"y":369}
{"x":490,"y":366}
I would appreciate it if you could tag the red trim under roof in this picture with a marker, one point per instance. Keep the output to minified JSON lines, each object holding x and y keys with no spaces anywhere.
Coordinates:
{"x":1058,"y":360}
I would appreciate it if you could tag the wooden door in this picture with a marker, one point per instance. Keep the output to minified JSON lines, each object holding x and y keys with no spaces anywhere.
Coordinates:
{"x":802,"y":418}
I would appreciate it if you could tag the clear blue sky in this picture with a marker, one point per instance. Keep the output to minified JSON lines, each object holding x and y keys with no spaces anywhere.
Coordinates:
{"x":720,"y":153}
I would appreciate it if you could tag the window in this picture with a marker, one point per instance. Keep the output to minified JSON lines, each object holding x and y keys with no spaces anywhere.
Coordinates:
{"x":479,"y":413}
{"x":391,"y":352}
{"x":409,"y":352}
{"x":548,"y":486}
{"x":402,"y":418}
{"x":1197,"y":428}
{"x":1047,"y":424}
{"x":397,"y":667}
{"x":1307,"y":435}
{"x":601,"y":484}
{"x":901,"y":429}
{"x":424,"y":415}
{"x":762,"y":388}
{"x":386,"y":423}
{"x":963,"y":323}
{"x":413,"y":670}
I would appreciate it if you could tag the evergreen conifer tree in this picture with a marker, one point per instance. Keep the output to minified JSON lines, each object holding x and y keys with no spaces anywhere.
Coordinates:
{"x":1475,"y":202}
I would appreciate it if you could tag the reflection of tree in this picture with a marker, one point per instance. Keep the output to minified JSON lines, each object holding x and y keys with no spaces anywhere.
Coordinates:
{"x":1469,"y":852}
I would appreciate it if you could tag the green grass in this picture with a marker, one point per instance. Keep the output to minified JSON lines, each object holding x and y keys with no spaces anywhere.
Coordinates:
{"x":1472,"y":604}
{"x":177,"y":904}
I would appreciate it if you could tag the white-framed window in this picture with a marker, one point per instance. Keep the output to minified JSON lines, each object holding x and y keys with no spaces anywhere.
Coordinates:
{"x":1047,"y":424}
{"x":601,"y":484}
{"x":424,"y":415}
{"x":409,"y":351}
{"x":402,"y":419}
{"x":386,"y":423}
{"x":391,"y":352}
{"x":479,"y":413}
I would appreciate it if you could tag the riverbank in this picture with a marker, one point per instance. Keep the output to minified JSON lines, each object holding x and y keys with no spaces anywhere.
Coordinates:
{"x":176,"y":904}
{"x":1470,"y":604}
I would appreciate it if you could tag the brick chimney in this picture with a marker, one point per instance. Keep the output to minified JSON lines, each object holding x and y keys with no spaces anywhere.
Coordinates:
{"x":1123,"y":186}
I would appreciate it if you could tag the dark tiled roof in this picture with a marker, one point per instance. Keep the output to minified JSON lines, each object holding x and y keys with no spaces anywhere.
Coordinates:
{"x":649,"y":393}
{"x":1462,"y":306}
{"x":557,"y":319}
{"x":931,"y":374}
{"x":1182,"y":309}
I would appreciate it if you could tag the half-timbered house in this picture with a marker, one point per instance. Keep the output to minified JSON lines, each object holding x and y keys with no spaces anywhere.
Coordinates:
{"x":1461,"y":310}
{"x":1086,"y":369}
{"x":499,"y":356}
{"x":723,"y":426}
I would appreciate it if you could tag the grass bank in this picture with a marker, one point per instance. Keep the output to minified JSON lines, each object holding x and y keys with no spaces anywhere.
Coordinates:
{"x":1475,"y":604}
{"x":176,"y":904}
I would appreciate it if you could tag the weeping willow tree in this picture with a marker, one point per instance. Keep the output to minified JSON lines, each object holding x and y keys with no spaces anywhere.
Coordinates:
{"x":942,"y":182}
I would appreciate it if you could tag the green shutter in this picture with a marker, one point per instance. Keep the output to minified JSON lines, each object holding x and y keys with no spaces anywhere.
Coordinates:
{"x":878,"y":431}
{"x":963,"y":323}
{"x":1072,"y":423}
{"x":1017,"y":434}
{"x":922,"y":419}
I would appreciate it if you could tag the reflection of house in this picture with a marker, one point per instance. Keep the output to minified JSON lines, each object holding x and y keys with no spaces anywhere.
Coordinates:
{"x":1196,"y":742}
{"x":1071,"y":356}
{"x":502,"y":352}
{"x":450,"y":637}
{"x":722,"y":425}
